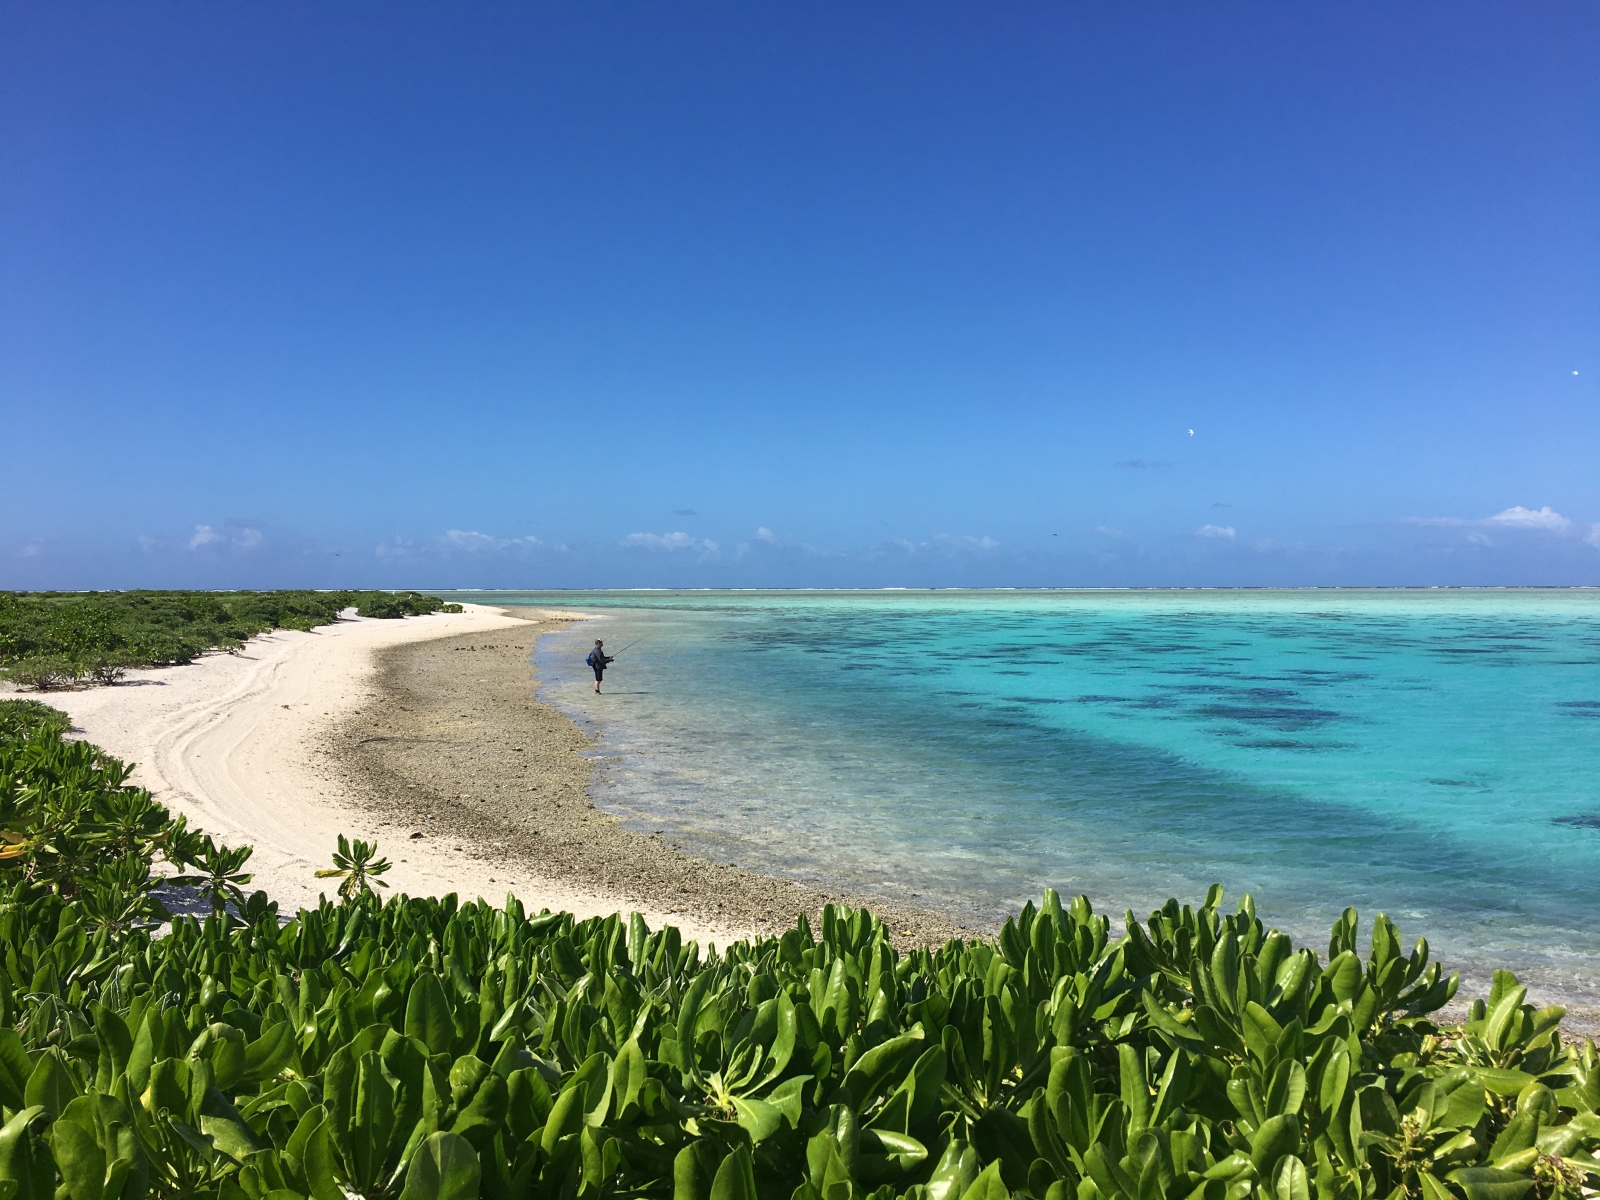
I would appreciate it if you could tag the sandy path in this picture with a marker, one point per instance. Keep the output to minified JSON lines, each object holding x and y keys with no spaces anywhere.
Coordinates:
{"x":235,"y":742}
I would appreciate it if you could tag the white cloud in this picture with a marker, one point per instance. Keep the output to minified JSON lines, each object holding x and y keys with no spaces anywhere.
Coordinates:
{"x":1594,"y":536}
{"x":35,"y":547}
{"x":962,"y":541}
{"x":471,"y":540}
{"x":769,"y":541}
{"x":453,"y":541}
{"x":1223,"y":532}
{"x":1515,"y":517}
{"x":677,"y":540}
{"x":1528,"y":518}
{"x":399,"y":547}
{"x":241,"y":535}
{"x":1109,"y":531}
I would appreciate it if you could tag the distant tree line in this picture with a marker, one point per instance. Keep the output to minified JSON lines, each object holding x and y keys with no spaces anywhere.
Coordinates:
{"x":57,"y":639}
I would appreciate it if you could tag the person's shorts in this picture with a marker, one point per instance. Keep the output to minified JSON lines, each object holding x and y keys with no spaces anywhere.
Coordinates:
{"x":598,"y":671}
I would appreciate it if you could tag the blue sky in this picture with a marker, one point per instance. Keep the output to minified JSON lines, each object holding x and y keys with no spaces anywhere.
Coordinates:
{"x":753,"y":295}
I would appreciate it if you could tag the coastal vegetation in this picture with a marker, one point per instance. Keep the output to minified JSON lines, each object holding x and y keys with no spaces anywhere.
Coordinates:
{"x":56,"y":639}
{"x":423,"y":1048}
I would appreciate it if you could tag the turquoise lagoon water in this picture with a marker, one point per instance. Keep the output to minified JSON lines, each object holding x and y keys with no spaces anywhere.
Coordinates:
{"x":1433,"y":754}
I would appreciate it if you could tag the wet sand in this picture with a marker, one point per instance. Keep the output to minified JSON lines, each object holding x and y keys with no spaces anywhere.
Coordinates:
{"x":455,"y":755}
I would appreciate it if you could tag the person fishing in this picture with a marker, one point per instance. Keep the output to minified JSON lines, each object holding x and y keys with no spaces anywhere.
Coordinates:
{"x":598,"y":660}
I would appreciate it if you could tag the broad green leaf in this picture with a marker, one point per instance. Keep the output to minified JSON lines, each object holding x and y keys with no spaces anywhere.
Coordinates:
{"x":51,"y":1084}
{"x":428,"y":1014}
{"x":445,"y":1168}
{"x":1166,"y":1022}
{"x":566,"y":1115}
{"x":689,"y":1016}
{"x":596,"y":1075}
{"x":15,"y":1067}
{"x":1287,"y":1091}
{"x":1225,"y":973}
{"x":1173,"y":1088}
{"x":1344,"y":976}
{"x":1290,"y":1180}
{"x":693,"y":1169}
{"x":1277,"y":1136}
{"x":79,"y":1159}
{"x":1503,"y":1081}
{"x":482,"y":1118}
{"x":1227,"y":1168}
{"x":115,"y":1037}
{"x":869,"y":1073}
{"x":1135,"y":1091}
{"x":988,"y":1185}
{"x":1498,"y":1029}
{"x":735,"y":1179}
{"x":1335,"y":1080}
{"x":1486,"y":1183}
{"x":782,"y":1048}
{"x":1109,"y":1177}
{"x":320,"y":1170}
{"x":1519,"y":1135}
{"x":270,"y":1052}
{"x":628,"y":1074}
{"x":1261,"y":1032}
{"x":957,"y":1169}
{"x":24,"y":1161}
{"x":758,"y":1118}
{"x":788,"y":1098}
{"x":886,"y":1155}
{"x":231,"y":1136}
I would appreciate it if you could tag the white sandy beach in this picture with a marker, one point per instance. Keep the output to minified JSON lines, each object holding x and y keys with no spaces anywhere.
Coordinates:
{"x":230,"y":741}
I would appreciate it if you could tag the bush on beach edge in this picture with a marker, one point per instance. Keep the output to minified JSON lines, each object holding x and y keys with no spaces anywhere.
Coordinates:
{"x":57,"y":639}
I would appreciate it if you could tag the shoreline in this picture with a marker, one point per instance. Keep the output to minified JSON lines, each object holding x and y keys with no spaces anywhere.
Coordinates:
{"x":233,"y":742}
{"x":457,"y":747}
{"x":301,"y":736}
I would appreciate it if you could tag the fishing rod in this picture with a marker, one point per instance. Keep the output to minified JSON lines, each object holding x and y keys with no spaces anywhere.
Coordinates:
{"x":629,"y":646}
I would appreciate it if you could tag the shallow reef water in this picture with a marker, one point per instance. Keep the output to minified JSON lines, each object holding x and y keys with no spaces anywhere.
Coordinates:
{"x":1430,"y":754}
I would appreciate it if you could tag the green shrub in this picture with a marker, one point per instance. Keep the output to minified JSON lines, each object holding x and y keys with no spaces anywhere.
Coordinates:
{"x":418,"y":1047}
{"x":397,"y":604}
{"x":101,"y":634}
{"x":106,"y":669}
{"x":21,"y":718}
{"x":44,"y":672}
{"x":386,"y":607}
{"x":421,"y":1048}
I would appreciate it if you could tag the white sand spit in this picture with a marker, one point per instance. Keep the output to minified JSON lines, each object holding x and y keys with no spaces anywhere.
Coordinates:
{"x":231,"y":741}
